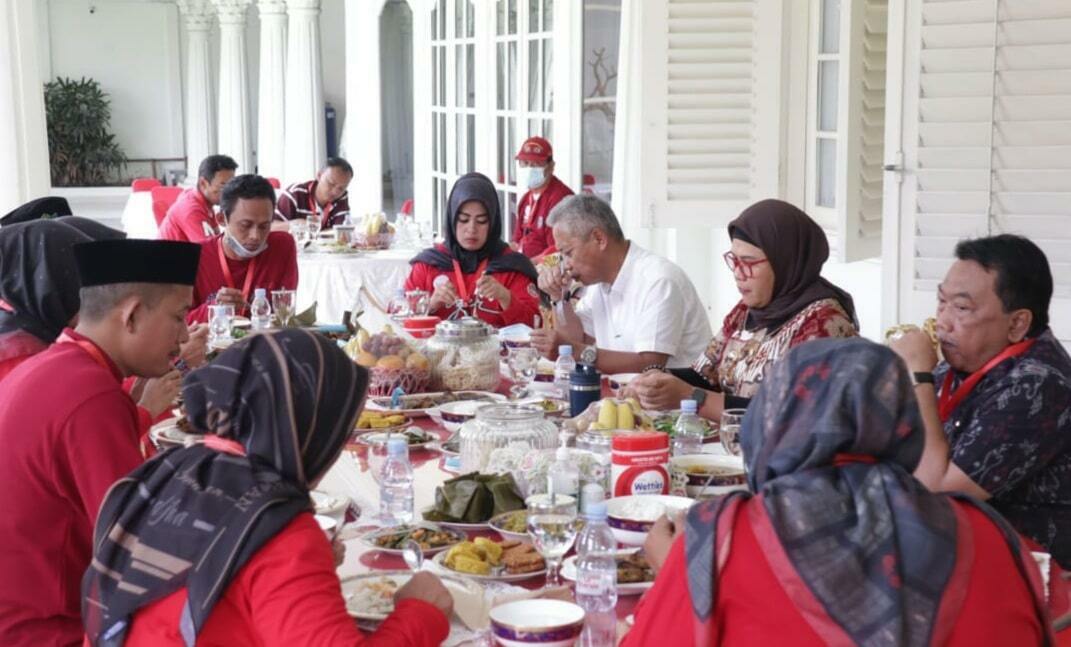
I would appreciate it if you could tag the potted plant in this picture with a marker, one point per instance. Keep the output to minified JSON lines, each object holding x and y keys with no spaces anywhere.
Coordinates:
{"x":81,"y":150}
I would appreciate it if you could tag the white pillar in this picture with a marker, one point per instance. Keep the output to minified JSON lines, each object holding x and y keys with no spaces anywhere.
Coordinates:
{"x":234,"y":139}
{"x":364,"y":143}
{"x":271,"y":120}
{"x":200,"y":119}
{"x":24,"y":171}
{"x":305,"y":137}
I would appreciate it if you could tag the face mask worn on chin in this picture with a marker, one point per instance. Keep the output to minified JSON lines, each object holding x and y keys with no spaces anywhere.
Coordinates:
{"x":241,"y":251}
{"x":531,"y":176}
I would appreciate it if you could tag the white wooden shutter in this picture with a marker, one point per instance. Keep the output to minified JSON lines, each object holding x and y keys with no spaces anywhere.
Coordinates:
{"x":861,"y":144}
{"x":696,"y":82}
{"x":987,"y":137}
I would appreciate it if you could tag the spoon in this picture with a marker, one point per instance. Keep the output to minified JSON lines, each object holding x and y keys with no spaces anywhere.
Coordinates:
{"x":413,"y":555}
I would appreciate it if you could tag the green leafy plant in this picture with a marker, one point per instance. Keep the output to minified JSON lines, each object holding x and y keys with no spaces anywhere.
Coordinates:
{"x":81,"y":150}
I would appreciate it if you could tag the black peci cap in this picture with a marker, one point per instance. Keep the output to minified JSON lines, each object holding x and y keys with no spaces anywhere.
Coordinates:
{"x":106,"y":262}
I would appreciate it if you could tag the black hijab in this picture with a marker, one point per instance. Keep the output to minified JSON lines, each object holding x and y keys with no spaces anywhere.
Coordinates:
{"x":475,"y":186}
{"x":47,"y":207}
{"x":796,"y":248}
{"x":193,"y":516}
{"x":39,"y":277}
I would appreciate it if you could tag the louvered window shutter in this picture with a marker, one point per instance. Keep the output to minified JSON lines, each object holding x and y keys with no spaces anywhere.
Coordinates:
{"x":988,"y":149}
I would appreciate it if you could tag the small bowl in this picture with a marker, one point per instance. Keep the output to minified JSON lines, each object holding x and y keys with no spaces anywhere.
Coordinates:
{"x":547,"y":623}
{"x":728,"y":474}
{"x":455,"y":414}
{"x":631,"y":517}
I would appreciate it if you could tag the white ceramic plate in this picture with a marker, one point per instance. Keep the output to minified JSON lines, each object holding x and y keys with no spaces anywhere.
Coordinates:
{"x":456,"y":586}
{"x":368,"y":539}
{"x":379,"y":436}
{"x":634,"y":588}
{"x":506,"y":534}
{"x":382,"y":403}
{"x":493,"y":577}
{"x":167,"y":434}
{"x":329,"y":504}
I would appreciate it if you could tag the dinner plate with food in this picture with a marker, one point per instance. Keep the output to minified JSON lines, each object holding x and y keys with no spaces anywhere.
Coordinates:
{"x":370,"y":596}
{"x":634,"y":574}
{"x":416,"y":405}
{"x":511,"y":525}
{"x":381,"y":421}
{"x":175,"y":432}
{"x":666,"y":422}
{"x":489,"y":560}
{"x":415,"y":437}
{"x":549,"y":406}
{"x":430,"y":537}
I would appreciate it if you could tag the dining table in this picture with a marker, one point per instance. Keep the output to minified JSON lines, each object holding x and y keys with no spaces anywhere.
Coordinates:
{"x":352,"y":280}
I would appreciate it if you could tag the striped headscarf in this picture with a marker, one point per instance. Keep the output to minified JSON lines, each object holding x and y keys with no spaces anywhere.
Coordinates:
{"x":868,"y":555}
{"x":191,"y":517}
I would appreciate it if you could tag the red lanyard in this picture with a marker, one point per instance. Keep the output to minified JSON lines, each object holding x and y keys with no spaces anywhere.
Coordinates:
{"x":313,"y":205}
{"x":6,"y":307}
{"x":947,"y":400}
{"x":462,"y":287}
{"x":230,"y":278}
{"x":88,"y":347}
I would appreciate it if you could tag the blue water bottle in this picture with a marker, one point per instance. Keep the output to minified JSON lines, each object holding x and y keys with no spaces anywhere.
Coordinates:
{"x":585,"y":387}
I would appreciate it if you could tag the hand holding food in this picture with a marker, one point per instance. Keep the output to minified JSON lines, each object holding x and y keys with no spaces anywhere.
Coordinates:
{"x":194,"y":351}
{"x":487,"y":287}
{"x":230,"y":297}
{"x":660,"y":540}
{"x":660,"y":391}
{"x":160,"y":393}
{"x":546,"y":341}
{"x":916,"y":348}
{"x":444,"y":295}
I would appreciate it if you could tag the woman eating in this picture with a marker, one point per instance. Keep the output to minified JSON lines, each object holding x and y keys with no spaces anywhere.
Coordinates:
{"x":839,"y":544}
{"x":776,"y":257}
{"x":216,"y":544}
{"x":475,"y":273}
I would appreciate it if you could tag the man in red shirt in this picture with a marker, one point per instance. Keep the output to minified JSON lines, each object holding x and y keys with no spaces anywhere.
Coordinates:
{"x":69,"y":430}
{"x":247,"y":255}
{"x":532,"y":236}
{"x":325,"y":196}
{"x":191,"y":218}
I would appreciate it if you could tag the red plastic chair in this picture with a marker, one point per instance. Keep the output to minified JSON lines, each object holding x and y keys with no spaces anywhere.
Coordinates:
{"x":162,"y":199}
{"x":274,"y":181}
{"x":407,"y":207}
{"x":144,"y":184}
{"x":588,"y":180}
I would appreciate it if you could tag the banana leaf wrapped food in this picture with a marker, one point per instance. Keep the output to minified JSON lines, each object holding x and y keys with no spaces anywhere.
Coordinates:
{"x":474,"y":498}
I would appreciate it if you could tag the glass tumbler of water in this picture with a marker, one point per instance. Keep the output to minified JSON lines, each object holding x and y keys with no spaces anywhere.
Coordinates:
{"x":314,"y":223}
{"x":282,"y":303}
{"x":729,"y":430}
{"x":299,"y":229}
{"x":219,"y":323}
{"x":552,"y":527}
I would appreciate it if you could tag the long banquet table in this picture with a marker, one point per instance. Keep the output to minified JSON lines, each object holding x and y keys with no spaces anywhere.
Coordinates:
{"x":334,"y":281}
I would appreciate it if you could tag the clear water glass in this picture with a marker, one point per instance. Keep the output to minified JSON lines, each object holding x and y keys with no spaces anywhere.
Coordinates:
{"x":418,"y":302}
{"x":299,"y":229}
{"x":552,"y":527}
{"x":314,"y":224}
{"x":219,"y":323}
{"x":522,"y":362}
{"x":282,"y":304}
{"x":729,"y":431}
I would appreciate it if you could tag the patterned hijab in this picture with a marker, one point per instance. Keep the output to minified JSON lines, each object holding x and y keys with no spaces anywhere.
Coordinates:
{"x":868,"y":555}
{"x":796,"y":248}
{"x":469,"y":187}
{"x":38,"y":277}
{"x":191,"y":517}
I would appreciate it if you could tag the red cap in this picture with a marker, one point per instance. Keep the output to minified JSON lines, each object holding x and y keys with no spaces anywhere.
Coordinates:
{"x":640,"y":441}
{"x":535,"y":149}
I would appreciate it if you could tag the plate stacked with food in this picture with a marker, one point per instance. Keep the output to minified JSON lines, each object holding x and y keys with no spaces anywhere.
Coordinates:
{"x":175,"y":432}
{"x":422,"y":404}
{"x":430,"y":538}
{"x":634,"y":574}
{"x":415,"y":437}
{"x":370,"y":596}
{"x":511,"y":525}
{"x":485,"y":559}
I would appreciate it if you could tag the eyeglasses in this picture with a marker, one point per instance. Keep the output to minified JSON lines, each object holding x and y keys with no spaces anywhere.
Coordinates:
{"x":747,"y":268}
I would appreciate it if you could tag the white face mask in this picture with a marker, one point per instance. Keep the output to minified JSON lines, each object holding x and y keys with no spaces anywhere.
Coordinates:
{"x":240,"y":251}
{"x":531,"y":176}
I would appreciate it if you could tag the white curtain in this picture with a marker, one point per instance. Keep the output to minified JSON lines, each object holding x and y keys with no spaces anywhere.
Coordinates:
{"x":396,"y":73}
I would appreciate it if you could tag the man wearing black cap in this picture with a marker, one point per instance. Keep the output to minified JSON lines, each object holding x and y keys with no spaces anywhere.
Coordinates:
{"x":69,"y":430}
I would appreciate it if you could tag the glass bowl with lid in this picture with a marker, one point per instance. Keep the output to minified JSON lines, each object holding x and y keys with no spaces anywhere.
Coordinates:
{"x":464,"y":356}
{"x":501,"y":436}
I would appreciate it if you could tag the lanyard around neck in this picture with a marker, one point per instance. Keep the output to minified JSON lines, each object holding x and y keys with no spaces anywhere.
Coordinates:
{"x":90,"y":348}
{"x":948,"y":400}
{"x":229,"y":278}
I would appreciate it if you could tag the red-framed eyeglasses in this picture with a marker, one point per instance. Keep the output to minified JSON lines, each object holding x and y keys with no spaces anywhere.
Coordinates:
{"x":747,"y":268}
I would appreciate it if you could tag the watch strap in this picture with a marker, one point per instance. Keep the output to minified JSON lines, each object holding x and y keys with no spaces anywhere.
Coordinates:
{"x":921,"y":377}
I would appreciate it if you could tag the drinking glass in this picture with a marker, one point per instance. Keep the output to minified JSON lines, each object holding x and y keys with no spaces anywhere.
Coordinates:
{"x":418,"y":302}
{"x":729,"y":431}
{"x":522,"y":364}
{"x":282,"y":303}
{"x":299,"y":229}
{"x":219,"y":323}
{"x":552,"y":527}
{"x":314,"y":224}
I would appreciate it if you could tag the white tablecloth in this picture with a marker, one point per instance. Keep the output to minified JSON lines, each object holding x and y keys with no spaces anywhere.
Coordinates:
{"x":138,"y":221}
{"x":334,"y":282}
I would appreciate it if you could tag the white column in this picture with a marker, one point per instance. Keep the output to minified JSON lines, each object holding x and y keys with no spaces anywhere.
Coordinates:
{"x":271,"y":121}
{"x":305,"y":138}
{"x":200,"y":119}
{"x":234,"y":139}
{"x":24,"y":171}
{"x":364,"y":143}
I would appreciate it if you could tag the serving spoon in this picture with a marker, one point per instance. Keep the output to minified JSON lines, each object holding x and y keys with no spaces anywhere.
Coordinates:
{"x":413,"y":555}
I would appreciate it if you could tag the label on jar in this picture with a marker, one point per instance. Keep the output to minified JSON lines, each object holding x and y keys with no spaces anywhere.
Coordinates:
{"x":646,"y":479}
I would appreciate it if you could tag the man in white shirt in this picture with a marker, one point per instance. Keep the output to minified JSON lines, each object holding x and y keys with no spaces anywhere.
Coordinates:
{"x":638,"y":310}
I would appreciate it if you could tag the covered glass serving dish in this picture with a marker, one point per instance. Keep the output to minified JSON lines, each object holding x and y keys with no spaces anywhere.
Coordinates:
{"x":464,"y":355}
{"x":505,"y":438}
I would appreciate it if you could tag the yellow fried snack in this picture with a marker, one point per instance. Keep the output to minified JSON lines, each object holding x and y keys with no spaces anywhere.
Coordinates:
{"x":492,"y":550}
{"x":379,"y":420}
{"x":466,"y":564}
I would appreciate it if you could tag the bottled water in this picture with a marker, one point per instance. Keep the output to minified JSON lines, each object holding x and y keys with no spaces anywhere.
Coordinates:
{"x":596,"y":576}
{"x":563,"y":476}
{"x":260,"y":310}
{"x":688,"y":431}
{"x":563,"y":368}
{"x":396,"y":485}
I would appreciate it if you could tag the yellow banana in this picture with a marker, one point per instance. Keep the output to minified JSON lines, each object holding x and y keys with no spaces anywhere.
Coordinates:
{"x":625,"y":419}
{"x":608,"y":413}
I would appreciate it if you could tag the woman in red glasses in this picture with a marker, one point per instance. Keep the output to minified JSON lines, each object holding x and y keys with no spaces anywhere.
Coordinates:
{"x":776,"y":257}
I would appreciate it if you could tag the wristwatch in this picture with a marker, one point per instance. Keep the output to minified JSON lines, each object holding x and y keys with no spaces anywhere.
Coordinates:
{"x":921,"y":377}
{"x":589,"y":355}
{"x":700,"y":396}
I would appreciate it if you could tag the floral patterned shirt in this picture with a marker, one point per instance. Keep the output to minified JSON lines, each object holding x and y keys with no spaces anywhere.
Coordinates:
{"x":1012,"y":436}
{"x":736,"y":359}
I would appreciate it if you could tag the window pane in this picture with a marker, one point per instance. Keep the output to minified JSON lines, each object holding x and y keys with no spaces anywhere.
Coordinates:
{"x":548,"y":76}
{"x":511,"y":98}
{"x":459,"y":143}
{"x":500,"y":17}
{"x":500,"y":88}
{"x":434,"y":199}
{"x":827,"y":96}
{"x":434,"y":141}
{"x":533,"y":15}
{"x":442,"y":19}
{"x":512,"y":145}
{"x":442,"y":141}
{"x":513,"y":16}
{"x":459,"y":18}
{"x":470,"y":19}
{"x":535,"y":88}
{"x":470,"y":76}
{"x":827,"y":173}
{"x":434,"y":76}
{"x":548,"y":15}
{"x":459,"y":75}
{"x":830,"y":40}
{"x":442,"y":75}
{"x":434,"y":24}
{"x":548,"y":130}
{"x":470,"y":141}
{"x":500,"y":153}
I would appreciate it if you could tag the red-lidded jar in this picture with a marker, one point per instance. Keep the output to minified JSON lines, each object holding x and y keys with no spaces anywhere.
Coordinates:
{"x":421,"y":327}
{"x":639,"y":463}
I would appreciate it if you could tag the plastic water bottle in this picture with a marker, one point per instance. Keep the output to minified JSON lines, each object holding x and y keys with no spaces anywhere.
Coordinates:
{"x":260,"y":310}
{"x":596,"y":576}
{"x":563,"y":475}
{"x":396,"y":485}
{"x":563,"y":368}
{"x":688,"y":431}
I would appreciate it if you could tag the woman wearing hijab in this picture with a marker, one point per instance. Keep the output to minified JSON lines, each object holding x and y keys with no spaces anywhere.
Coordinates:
{"x":836,"y":543}
{"x":481,"y":276}
{"x":216,"y":544}
{"x":776,"y":257}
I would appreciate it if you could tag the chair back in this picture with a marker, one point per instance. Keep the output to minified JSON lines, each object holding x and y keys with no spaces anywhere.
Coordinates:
{"x":162,"y":199}
{"x":144,"y":184}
